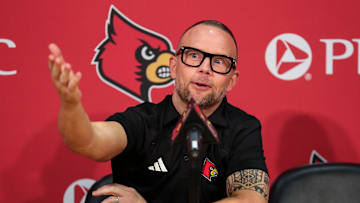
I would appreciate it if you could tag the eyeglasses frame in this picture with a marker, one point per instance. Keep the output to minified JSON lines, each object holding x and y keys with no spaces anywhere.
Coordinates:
{"x":205,"y":54}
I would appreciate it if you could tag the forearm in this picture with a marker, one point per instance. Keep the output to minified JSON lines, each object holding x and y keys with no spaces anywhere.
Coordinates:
{"x":239,"y":199}
{"x":247,"y":186}
{"x":99,"y":141}
{"x":75,"y":128}
{"x":232,"y":200}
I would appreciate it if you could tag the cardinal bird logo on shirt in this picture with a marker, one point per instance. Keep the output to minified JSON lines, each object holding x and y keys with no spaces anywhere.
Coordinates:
{"x":209,"y":170}
{"x":133,"y":59}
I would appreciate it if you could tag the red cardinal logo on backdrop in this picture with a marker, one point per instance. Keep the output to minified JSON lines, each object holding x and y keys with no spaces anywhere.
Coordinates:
{"x":209,"y":170}
{"x":133,"y":59}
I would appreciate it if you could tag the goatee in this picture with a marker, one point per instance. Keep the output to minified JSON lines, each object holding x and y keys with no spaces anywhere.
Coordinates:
{"x":205,"y":103}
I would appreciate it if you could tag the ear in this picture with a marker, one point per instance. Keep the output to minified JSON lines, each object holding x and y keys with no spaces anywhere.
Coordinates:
{"x":172,"y":66}
{"x":233,"y":80}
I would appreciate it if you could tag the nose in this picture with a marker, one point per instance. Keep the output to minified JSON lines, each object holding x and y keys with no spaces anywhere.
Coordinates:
{"x":205,"y":66}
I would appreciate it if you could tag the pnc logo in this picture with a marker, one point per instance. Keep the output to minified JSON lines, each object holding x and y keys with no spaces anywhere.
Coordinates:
{"x":10,"y":44}
{"x":76,"y":192}
{"x":288,"y":56}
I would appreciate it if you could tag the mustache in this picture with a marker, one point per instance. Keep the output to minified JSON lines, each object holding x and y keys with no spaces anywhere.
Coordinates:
{"x":201,"y":79}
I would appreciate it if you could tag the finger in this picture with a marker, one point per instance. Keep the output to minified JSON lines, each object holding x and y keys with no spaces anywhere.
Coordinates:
{"x":112,"y":199}
{"x":71,"y":77}
{"x":56,"y":70}
{"x":51,"y":60}
{"x":112,"y":189}
{"x":65,"y":72}
{"x":55,"y":50}
{"x":74,"y":80}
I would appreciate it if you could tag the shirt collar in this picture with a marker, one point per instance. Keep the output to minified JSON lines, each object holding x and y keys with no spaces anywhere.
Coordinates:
{"x":169,"y":111}
{"x":218,"y":117}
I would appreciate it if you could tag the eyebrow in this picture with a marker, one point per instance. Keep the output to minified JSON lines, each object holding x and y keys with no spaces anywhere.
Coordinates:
{"x":222,"y":54}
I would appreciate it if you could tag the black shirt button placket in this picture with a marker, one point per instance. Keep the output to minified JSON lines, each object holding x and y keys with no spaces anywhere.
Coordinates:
{"x":186,"y":158}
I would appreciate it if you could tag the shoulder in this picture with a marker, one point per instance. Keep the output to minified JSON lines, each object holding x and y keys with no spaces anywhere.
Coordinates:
{"x":149,"y":108}
{"x":237,"y":116}
{"x":143,"y":110}
{"x":138,"y":111}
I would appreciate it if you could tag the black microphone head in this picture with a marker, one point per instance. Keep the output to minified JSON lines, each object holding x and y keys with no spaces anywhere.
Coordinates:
{"x":193,"y":116}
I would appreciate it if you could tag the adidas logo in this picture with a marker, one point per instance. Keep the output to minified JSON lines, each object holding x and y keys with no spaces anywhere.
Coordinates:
{"x":158,"y":166}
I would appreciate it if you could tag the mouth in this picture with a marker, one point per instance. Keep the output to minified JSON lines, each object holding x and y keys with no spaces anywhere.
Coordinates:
{"x":163,"y":72}
{"x":201,"y":85}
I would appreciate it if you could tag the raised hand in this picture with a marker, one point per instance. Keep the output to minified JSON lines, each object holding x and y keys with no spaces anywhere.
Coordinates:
{"x":65,"y":80}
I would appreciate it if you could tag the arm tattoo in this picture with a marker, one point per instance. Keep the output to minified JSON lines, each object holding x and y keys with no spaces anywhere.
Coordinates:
{"x":249,"y":179}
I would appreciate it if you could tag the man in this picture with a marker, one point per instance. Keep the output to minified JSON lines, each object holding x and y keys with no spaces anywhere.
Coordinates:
{"x":204,"y":68}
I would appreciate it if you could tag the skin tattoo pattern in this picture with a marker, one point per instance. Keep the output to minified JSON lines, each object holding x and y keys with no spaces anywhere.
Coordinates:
{"x":249,"y":179}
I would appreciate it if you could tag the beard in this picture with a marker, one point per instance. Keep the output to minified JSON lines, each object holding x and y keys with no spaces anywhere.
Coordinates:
{"x":205,"y":102}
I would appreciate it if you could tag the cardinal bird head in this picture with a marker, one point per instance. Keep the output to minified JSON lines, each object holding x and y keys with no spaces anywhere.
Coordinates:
{"x":133,"y":59}
{"x":209,"y":170}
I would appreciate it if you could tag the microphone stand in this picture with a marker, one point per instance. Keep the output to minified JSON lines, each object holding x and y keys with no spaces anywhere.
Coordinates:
{"x":195,"y":151}
{"x":196,"y":132}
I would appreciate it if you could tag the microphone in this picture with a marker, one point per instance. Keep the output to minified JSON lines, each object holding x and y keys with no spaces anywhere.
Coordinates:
{"x":194,"y":141}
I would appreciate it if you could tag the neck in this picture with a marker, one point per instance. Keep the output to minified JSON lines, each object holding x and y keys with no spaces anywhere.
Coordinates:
{"x":180,"y":106}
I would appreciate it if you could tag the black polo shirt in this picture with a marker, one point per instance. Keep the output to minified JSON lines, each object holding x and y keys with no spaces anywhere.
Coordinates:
{"x":159,"y":171}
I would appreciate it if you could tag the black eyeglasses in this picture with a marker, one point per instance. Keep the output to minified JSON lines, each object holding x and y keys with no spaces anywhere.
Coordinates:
{"x":194,"y":57}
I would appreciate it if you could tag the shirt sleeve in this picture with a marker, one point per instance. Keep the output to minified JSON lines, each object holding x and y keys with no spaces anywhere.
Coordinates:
{"x":247,"y":149}
{"x":133,"y":124}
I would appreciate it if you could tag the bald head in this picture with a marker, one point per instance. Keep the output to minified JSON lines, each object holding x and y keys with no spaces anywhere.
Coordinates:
{"x":214,"y":24}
